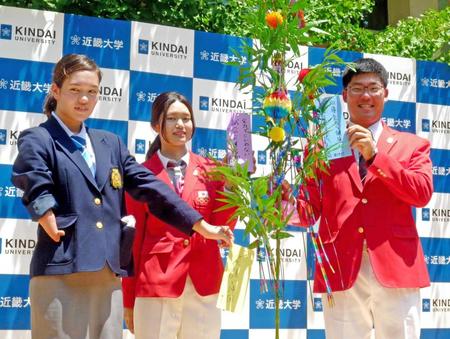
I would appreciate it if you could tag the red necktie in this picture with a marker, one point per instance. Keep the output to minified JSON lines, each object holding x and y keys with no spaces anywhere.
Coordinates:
{"x":176,"y":169}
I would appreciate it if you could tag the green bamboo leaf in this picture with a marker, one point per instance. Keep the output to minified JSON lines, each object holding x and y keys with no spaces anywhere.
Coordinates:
{"x":253,"y":244}
{"x":280,"y":235}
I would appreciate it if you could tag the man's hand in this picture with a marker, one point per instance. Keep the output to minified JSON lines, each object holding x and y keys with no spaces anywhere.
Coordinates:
{"x":221,"y":233}
{"x":48,"y":223}
{"x":128,"y":316}
{"x":361,"y":139}
{"x":286,"y":192}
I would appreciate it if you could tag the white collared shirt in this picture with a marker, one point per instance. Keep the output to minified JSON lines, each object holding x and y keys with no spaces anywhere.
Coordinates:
{"x":165,"y":160}
{"x":82,"y":134}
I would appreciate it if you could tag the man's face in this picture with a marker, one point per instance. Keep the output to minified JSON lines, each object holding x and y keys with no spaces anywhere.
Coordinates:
{"x":365,"y":96}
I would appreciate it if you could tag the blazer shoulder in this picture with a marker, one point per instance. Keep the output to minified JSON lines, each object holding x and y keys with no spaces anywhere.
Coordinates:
{"x":153,"y":163}
{"x":36,"y":129}
{"x":38,"y":132}
{"x":102,"y":133}
{"x":413,"y":139}
{"x":408,"y":138}
{"x":201,"y":161}
{"x":111,"y":139}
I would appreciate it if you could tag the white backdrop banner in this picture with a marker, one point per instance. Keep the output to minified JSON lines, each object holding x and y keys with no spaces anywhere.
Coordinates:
{"x":141,"y":60}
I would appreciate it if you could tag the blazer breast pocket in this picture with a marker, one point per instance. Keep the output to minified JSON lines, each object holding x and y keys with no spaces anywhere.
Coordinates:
{"x":162,"y":247}
{"x":158,"y":257}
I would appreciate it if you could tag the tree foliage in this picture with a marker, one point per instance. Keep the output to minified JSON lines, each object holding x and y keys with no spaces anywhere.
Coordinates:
{"x":342,"y":20}
{"x":205,"y":15}
{"x":424,"y":38}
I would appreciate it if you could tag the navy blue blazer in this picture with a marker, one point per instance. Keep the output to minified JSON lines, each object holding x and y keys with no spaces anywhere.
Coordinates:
{"x":53,"y":175}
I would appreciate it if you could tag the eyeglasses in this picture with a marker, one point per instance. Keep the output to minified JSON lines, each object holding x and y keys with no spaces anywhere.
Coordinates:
{"x":359,"y":90}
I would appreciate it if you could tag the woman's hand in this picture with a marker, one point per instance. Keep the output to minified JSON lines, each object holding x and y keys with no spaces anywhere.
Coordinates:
{"x":128,"y":314}
{"x":48,"y":223}
{"x":221,"y":233}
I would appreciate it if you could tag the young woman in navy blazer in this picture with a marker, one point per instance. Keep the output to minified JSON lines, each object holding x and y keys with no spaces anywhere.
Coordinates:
{"x":75,"y":288}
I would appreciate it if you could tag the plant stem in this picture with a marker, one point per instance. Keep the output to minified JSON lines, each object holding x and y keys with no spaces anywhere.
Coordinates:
{"x":277,"y":288}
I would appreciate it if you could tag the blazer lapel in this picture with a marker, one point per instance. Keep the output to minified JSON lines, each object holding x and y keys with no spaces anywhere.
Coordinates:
{"x":68,"y":147}
{"x":350,"y":165}
{"x":156,"y":166}
{"x":102,"y":158}
{"x":387,"y":140}
{"x":354,"y":172}
{"x":191,"y":177}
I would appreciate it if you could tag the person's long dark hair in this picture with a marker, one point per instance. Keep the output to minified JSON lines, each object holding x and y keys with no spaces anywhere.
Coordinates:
{"x":159,"y":111}
{"x":66,"y":66}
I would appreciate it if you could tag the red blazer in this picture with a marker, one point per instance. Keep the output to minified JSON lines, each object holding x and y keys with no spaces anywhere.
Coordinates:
{"x":399,"y":178}
{"x":164,"y":256}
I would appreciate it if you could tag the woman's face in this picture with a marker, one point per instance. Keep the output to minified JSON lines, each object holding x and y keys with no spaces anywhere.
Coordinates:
{"x":76,"y":98}
{"x":178,"y":126}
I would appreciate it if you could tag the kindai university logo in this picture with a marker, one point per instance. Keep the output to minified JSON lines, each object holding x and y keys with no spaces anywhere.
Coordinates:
{"x":204,"y":103}
{"x":426,"y":125}
{"x":5,"y":32}
{"x":143,"y":46}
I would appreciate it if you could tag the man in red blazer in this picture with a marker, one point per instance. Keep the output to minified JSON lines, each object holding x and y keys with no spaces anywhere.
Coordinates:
{"x":366,"y":223}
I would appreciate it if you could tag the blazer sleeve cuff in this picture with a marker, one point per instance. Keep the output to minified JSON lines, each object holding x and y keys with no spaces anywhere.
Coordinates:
{"x":192,"y":217}
{"x":38,"y":207}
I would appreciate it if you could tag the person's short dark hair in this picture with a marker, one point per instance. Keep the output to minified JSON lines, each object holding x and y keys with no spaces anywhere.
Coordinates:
{"x":365,"y":65}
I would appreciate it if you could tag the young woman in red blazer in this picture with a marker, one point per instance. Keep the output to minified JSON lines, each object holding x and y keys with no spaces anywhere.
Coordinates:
{"x":177,"y":277}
